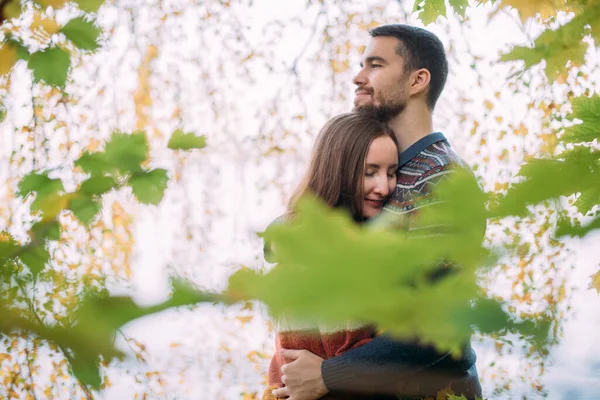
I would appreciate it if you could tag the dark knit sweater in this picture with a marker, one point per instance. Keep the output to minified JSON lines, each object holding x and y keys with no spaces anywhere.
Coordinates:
{"x":393,"y":367}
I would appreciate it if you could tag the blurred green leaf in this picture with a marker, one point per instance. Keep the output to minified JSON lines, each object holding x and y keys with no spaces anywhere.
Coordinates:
{"x":40,"y":184}
{"x":149,"y":187}
{"x":50,"y":66}
{"x":97,"y":185}
{"x":87,"y":371}
{"x":566,"y":228}
{"x":127,"y":152}
{"x":89,"y":5}
{"x":83,"y":33}
{"x":8,"y":246}
{"x":354,"y":273}
{"x":94,"y":163}
{"x":460,"y":6}
{"x":35,"y":258}
{"x":548,"y":179}
{"x":2,"y":113}
{"x":85,"y":208}
{"x":46,"y":230}
{"x":429,"y":10}
{"x":186,"y":141}
{"x":98,"y":318}
{"x":588,"y":111}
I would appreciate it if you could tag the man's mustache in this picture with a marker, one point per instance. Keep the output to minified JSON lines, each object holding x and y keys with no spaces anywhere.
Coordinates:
{"x":363,"y":89}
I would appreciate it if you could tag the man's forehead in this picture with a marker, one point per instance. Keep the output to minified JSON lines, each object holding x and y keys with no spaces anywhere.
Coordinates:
{"x":383,"y":43}
{"x":382,"y":46}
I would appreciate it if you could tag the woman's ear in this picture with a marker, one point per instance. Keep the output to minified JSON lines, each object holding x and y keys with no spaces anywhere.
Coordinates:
{"x":419,"y":81}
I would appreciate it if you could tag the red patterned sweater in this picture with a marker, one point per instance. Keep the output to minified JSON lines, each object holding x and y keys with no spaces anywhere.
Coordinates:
{"x":324,"y":342}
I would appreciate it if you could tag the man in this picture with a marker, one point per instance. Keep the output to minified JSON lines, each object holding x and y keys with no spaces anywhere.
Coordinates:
{"x":403,"y":73}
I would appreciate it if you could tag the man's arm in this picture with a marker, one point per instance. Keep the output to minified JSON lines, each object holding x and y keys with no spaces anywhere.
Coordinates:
{"x":385,"y":365}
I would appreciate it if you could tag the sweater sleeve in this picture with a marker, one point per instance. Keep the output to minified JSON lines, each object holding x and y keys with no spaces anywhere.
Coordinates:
{"x":385,"y":365}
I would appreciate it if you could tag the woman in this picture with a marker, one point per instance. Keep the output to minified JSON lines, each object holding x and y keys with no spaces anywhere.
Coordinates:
{"x":353,"y":167}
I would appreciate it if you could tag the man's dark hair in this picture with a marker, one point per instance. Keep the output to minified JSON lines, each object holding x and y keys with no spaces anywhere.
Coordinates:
{"x":420,"y":49}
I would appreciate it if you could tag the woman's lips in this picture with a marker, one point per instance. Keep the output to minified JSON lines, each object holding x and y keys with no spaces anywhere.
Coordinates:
{"x":374,"y":203}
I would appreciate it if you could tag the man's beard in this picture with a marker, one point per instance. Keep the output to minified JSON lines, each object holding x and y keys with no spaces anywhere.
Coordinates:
{"x":382,"y":113}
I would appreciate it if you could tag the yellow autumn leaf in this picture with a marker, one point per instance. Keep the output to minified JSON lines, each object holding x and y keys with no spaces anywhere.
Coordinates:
{"x":339,"y":66}
{"x":500,"y":186}
{"x":489,"y":105}
{"x":245,"y":320}
{"x":521,"y":130}
{"x":595,"y":284}
{"x":8,"y":58}
{"x":52,"y":205}
{"x":44,"y":23}
{"x":549,"y":143}
{"x":5,"y":356}
{"x":546,"y":8}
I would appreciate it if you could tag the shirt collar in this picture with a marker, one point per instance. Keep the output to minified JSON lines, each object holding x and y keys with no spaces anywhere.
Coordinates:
{"x":419,"y":146}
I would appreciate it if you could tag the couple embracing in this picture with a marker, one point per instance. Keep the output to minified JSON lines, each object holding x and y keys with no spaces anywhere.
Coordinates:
{"x":382,"y":158}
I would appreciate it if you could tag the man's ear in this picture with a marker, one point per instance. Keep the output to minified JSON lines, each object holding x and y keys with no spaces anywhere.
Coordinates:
{"x":419,"y":81}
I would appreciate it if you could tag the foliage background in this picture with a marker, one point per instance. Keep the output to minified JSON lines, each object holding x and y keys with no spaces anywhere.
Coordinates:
{"x":259,"y":78}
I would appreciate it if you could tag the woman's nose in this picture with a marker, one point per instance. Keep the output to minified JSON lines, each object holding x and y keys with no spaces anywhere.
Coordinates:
{"x":382,"y":188}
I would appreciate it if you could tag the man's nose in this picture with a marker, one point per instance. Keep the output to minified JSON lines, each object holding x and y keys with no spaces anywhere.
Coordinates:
{"x":360,"y":79}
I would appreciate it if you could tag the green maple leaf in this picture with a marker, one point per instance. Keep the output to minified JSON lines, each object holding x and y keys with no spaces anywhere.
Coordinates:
{"x":35,"y":258}
{"x":50,"y":66}
{"x":557,"y":47}
{"x":186,"y":141}
{"x":8,"y":247}
{"x":460,"y":6}
{"x":99,"y":317}
{"x":94,"y":163}
{"x":430,"y":10}
{"x":85,"y":208}
{"x":126,"y":152}
{"x":89,"y":5}
{"x":566,"y":228}
{"x":588,"y":111}
{"x":342,"y":272}
{"x":83,"y":33}
{"x":548,"y":179}
{"x":42,"y":185}
{"x":97,"y":185}
{"x":46,"y":230}
{"x":589,"y":197}
{"x":149,"y":187}
{"x":87,"y":371}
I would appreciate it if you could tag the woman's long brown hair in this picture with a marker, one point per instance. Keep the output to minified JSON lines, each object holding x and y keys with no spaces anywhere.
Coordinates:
{"x":337,"y":165}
